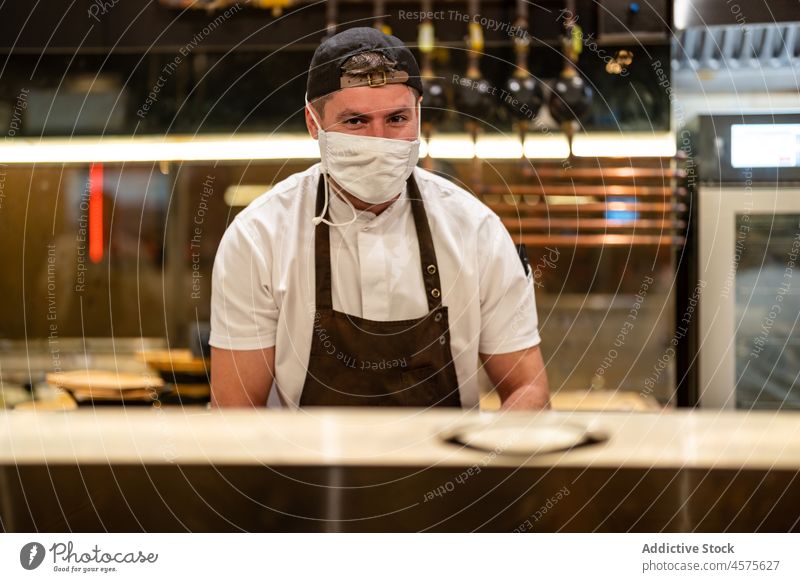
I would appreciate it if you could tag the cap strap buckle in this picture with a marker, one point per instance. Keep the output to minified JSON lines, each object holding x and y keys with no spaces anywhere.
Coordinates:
{"x":374,"y":79}
{"x":376,"y":84}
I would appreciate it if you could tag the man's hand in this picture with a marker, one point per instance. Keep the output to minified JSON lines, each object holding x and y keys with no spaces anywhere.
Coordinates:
{"x":520,"y":379}
{"x":241,"y":378}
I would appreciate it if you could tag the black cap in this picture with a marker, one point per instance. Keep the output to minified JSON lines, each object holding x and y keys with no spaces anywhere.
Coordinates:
{"x":325,"y":72}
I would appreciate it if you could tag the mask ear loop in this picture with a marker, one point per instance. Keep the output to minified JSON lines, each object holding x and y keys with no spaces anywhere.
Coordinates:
{"x":317,"y":219}
{"x":321,"y":218}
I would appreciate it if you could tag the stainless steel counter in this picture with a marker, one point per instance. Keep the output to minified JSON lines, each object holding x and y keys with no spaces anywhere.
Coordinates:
{"x":325,"y":470}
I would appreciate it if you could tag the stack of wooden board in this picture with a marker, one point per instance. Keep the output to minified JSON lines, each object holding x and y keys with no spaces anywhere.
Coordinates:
{"x":186,"y":375}
{"x":108,"y":386}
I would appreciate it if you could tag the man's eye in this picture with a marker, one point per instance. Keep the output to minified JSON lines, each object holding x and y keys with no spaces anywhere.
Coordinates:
{"x":354,"y":121}
{"x":398,"y":119}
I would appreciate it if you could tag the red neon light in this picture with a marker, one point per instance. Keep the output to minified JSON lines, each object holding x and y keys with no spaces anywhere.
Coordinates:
{"x":96,"y":212}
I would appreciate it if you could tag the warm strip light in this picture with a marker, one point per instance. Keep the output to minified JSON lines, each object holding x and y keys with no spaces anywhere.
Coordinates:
{"x":96,"y":212}
{"x":624,"y":146}
{"x":553,"y":147}
{"x":295,"y":146}
{"x":450,"y":147}
{"x":87,"y":150}
{"x":498,"y":147}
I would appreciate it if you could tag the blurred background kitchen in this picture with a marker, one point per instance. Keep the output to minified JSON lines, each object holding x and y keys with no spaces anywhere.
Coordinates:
{"x":645,"y":154}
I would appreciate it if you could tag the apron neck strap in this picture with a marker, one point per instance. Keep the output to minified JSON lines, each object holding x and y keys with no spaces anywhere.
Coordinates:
{"x":322,"y":253}
{"x":427,"y":253}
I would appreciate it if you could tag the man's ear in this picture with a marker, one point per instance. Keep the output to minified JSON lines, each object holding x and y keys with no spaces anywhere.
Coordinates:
{"x":310,"y":125}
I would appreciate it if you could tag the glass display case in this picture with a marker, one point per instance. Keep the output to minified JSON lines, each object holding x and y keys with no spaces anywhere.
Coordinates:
{"x":767,"y":311}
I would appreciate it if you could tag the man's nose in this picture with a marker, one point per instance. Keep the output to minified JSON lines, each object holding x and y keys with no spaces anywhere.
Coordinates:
{"x":377,"y":128}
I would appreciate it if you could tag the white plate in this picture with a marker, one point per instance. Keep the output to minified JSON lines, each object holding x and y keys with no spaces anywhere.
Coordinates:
{"x":533,"y":437}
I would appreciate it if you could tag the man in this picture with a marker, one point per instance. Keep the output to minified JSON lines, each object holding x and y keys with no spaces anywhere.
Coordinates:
{"x":366,"y":280}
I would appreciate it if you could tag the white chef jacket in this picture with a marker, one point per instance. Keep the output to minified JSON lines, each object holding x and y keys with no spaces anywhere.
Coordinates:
{"x":263,"y":278}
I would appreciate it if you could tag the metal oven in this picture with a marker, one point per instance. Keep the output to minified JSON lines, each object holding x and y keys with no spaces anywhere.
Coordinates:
{"x":749,"y":261}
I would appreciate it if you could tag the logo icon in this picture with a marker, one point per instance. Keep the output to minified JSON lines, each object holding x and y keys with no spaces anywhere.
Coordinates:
{"x":31,"y":555}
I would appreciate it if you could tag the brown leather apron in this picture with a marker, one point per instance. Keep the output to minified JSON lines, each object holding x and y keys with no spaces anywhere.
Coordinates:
{"x":359,"y":362}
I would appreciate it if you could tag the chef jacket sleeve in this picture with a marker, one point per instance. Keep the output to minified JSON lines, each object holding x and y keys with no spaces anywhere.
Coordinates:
{"x":508,"y":307}
{"x":244,"y":315}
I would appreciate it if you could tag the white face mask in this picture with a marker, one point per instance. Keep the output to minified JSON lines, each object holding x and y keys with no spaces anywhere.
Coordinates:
{"x":373,"y":169}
